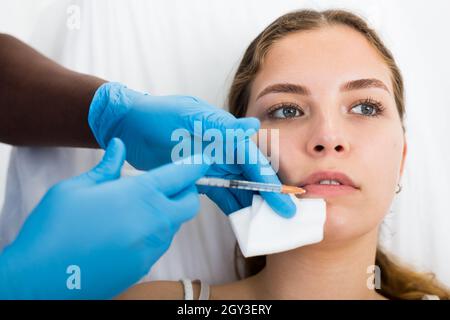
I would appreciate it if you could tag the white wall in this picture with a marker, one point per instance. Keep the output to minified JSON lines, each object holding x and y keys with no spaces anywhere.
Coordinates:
{"x":416,"y":32}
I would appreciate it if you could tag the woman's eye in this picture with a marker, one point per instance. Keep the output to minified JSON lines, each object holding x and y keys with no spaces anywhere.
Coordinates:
{"x":366,"y":109}
{"x":285,"y":112}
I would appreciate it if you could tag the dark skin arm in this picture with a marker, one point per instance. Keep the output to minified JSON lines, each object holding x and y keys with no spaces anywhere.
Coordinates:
{"x":41,"y":102}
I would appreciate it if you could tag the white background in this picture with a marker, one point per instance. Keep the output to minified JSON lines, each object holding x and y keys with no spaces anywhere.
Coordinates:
{"x":416,"y":32}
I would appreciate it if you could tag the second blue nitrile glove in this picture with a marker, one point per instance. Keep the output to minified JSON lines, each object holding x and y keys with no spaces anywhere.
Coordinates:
{"x":145,"y":123}
{"x":95,"y":235}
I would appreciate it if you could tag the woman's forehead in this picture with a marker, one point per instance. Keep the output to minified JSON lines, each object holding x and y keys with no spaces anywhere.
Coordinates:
{"x":325,"y":57}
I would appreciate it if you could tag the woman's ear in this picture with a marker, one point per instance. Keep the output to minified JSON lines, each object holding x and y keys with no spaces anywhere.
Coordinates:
{"x":405,"y":151}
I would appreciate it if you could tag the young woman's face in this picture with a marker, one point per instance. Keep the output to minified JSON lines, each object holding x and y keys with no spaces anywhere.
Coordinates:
{"x":330,"y":95}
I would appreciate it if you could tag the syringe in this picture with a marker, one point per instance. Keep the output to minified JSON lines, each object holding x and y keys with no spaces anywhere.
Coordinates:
{"x":249,"y":185}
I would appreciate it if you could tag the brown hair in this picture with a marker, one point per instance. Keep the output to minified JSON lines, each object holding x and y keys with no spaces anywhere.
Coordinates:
{"x":397,"y":281}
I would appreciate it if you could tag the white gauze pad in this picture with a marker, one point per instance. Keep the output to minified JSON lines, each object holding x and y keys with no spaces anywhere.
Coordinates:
{"x":260,"y":231}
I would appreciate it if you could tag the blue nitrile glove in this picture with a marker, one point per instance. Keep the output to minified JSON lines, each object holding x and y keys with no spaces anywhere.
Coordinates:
{"x":145,"y":123}
{"x":110,"y":229}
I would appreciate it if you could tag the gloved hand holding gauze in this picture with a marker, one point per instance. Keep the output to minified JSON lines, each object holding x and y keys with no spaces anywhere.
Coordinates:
{"x":260,"y":231}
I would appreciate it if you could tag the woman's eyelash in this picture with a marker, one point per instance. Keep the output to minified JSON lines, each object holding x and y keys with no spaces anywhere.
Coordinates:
{"x":378,"y":107}
{"x":271,"y":111}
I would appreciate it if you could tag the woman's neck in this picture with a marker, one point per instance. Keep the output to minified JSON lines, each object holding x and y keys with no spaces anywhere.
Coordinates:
{"x":321,"y":271}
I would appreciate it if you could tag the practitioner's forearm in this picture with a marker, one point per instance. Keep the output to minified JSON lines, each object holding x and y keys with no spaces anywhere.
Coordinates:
{"x":41,"y":102}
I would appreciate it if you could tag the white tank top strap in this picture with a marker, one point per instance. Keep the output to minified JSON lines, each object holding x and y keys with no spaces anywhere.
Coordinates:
{"x":189,"y":290}
{"x":204,"y":291}
{"x":430,"y":297}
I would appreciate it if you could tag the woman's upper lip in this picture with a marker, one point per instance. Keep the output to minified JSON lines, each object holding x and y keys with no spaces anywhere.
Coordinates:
{"x":316,"y":177}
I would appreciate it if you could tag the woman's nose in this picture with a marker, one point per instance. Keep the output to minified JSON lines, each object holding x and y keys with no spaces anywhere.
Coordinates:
{"x":328,"y":140}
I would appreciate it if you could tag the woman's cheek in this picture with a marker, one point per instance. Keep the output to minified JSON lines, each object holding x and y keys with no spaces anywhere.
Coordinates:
{"x":280,"y":147}
{"x":380,"y":179}
{"x":289,"y":157}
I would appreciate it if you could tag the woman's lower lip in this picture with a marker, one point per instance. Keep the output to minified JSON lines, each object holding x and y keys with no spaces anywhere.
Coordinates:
{"x":327,"y":190}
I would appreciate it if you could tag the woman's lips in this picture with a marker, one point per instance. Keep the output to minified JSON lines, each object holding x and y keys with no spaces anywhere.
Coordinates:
{"x":314,"y":189}
{"x":327,"y":190}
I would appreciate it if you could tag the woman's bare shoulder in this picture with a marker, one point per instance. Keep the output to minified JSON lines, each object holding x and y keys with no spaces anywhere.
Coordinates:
{"x":155,"y":290}
{"x":174,"y":290}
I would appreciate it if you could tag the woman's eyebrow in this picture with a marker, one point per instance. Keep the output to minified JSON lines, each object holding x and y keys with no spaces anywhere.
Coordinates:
{"x":364,"y":84}
{"x":284,"y":88}
{"x":302,"y":90}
